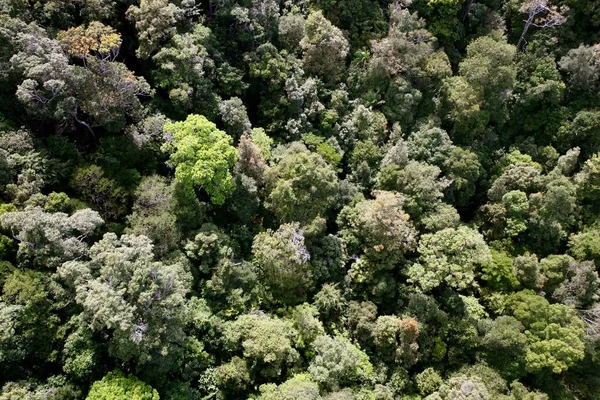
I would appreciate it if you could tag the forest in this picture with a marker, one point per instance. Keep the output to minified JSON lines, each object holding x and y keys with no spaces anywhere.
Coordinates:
{"x":299,"y":199}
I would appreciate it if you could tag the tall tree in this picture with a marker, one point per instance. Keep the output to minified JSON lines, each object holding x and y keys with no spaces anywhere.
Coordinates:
{"x":138,"y":302}
{"x":450,"y":256}
{"x":301,"y":186}
{"x":115,"y":385}
{"x":283,"y":263}
{"x":155,"y":22}
{"x":325,"y":47}
{"x":202,"y":156}
{"x":48,"y":239}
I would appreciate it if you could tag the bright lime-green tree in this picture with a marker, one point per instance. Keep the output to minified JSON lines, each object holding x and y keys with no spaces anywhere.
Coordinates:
{"x":116,"y":386}
{"x":202,"y":155}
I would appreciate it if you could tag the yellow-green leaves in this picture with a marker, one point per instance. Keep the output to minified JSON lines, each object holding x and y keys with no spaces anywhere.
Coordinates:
{"x":116,"y":386}
{"x":202,"y":155}
{"x":555,"y":334}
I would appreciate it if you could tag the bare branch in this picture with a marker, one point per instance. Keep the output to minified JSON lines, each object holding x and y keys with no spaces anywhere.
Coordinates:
{"x":591,"y":318}
{"x":84,"y":124}
{"x":541,"y":15}
{"x":30,"y":244}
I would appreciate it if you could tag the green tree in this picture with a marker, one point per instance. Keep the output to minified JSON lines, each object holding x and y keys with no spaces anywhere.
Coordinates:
{"x":105,"y":194}
{"x":362,"y":123}
{"x":300,"y":387}
{"x":395,"y":339}
{"x":233,"y":377}
{"x":463,"y":169}
{"x":462,"y":387}
{"x":202,"y":155}
{"x":539,"y":92}
{"x":183,"y":69}
{"x":155,"y":22}
{"x":431,"y":145}
{"x":54,"y":388}
{"x":360,"y":318}
{"x":504,"y":345}
{"x":117,"y":386}
{"x":451,"y":256}
{"x":581,"y":131}
{"x":419,"y":182}
{"x":138,"y":302}
{"x":270,"y":70}
{"x":153,"y":214}
{"x":527,"y":270}
{"x":582,"y":66}
{"x":305,"y":320}
{"x":30,"y":314}
{"x":362,"y":19}
{"x":244,"y":203}
{"x":487,"y":75}
{"x":46,"y":240}
{"x":516,"y":205}
{"x":585,"y":245}
{"x":401,"y":71}
{"x":463,"y":108}
{"x":101,"y":92}
{"x":263,"y":141}
{"x":553,"y":215}
{"x":378,"y":228}
{"x":428,"y":381}
{"x":553,"y":270}
{"x":338,"y":363}
{"x":233,"y":288}
{"x":489,"y":67}
{"x":283,"y":263}
{"x":291,"y":30}
{"x":588,"y":181}
{"x":580,"y":287}
{"x":330,"y":303}
{"x":265,"y":342}
{"x":209,"y":246}
{"x":324,"y":47}
{"x":499,"y":273}
{"x":519,"y":176}
{"x":81,"y":354}
{"x":234,"y":115}
{"x":554,"y":333}
{"x":301,"y":186}
{"x":328,"y":258}
{"x":442,"y":18}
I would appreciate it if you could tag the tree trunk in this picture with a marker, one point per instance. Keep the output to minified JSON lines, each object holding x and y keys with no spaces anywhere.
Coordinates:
{"x":469,"y":4}
{"x":525,"y":29}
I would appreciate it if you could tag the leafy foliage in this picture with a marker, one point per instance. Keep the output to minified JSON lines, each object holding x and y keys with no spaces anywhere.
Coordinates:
{"x":202,"y":156}
{"x":311,"y":199}
{"x":115,"y":385}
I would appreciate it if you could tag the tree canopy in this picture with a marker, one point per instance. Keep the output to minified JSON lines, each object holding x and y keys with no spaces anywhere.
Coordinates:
{"x":299,"y":199}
